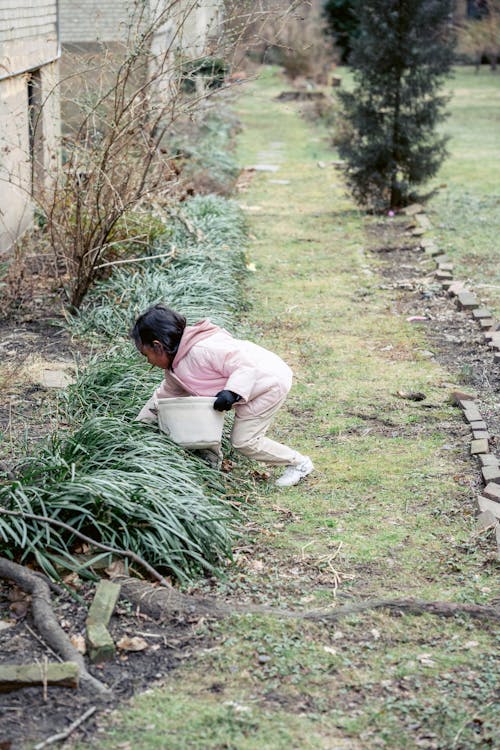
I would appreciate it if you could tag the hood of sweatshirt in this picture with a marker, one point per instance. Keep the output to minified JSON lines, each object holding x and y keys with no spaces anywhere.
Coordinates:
{"x":193,"y":335}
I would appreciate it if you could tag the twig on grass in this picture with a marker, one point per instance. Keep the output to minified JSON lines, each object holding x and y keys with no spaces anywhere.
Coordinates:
{"x":66,"y":733}
{"x":469,"y":720}
{"x":170,"y":254}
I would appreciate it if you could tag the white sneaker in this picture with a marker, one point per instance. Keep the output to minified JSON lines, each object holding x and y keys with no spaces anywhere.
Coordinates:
{"x":295,"y":472}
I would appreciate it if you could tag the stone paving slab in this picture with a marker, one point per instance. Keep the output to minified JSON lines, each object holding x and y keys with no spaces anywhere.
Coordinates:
{"x":480,"y":434}
{"x":491,"y":474}
{"x":488,"y":459}
{"x":472,"y":414}
{"x":481,"y":312}
{"x":492,"y":491}
{"x":467,"y":301}
{"x":487,"y":504}
{"x":479,"y":446}
{"x":15,"y":676}
{"x":486,"y":520}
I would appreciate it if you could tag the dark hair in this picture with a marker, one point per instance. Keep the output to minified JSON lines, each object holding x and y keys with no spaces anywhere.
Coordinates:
{"x":159,"y":323}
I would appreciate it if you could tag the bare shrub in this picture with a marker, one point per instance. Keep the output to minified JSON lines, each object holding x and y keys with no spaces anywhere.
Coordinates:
{"x":121,"y":105}
{"x":291,"y":35}
{"x":480,"y":37}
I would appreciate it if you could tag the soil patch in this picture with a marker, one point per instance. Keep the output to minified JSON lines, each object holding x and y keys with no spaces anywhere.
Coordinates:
{"x":30,"y":715}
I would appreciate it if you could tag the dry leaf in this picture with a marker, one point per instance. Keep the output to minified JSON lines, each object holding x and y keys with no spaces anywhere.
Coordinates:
{"x":78,"y":642}
{"x":132,"y":644}
{"x":117,"y":568}
{"x":73,"y":580}
{"x":256,"y":565}
{"x":411,"y":395}
{"x":330,"y":650}
{"x":15,"y":594}
{"x":471,"y":644}
{"x":426,"y":660}
{"x":82,"y":549}
{"x":19,"y":609}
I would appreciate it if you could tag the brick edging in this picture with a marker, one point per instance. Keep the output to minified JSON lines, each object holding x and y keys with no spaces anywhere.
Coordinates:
{"x":466,"y":300}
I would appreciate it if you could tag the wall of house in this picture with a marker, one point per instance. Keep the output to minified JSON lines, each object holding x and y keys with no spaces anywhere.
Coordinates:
{"x":94,"y":40}
{"x":94,"y":20}
{"x":29,"y":136}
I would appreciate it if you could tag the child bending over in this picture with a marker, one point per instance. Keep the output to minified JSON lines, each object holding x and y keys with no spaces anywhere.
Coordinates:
{"x":205,"y":360}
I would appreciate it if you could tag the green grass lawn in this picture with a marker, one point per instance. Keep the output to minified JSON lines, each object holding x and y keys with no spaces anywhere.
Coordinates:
{"x":389,"y":512}
{"x":466,"y":210}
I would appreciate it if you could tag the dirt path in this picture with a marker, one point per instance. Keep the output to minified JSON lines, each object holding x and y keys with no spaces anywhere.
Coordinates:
{"x":389,"y":512}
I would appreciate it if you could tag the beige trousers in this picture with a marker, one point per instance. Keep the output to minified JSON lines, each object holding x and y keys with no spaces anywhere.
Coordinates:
{"x":249,"y":437}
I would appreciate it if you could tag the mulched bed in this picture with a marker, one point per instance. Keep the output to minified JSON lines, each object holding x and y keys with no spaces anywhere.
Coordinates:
{"x":30,"y":715}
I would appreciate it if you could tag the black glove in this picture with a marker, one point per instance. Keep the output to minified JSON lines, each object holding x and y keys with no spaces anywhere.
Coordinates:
{"x":224,"y":400}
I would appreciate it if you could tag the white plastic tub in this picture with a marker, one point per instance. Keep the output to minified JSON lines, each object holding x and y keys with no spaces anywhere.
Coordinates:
{"x":191,"y":421}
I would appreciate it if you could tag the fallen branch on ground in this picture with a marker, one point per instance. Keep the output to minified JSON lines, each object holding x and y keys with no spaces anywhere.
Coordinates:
{"x":45,"y":620}
{"x":161,"y":603}
{"x":66,"y":733}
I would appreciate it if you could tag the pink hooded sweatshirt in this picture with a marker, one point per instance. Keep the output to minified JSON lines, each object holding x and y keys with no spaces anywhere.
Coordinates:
{"x":210,"y":360}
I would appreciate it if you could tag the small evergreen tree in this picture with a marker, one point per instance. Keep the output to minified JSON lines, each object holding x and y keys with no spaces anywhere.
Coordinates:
{"x":400,"y":58}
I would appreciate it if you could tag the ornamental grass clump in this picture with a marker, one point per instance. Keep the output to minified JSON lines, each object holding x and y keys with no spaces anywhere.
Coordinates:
{"x":209,"y":163}
{"x":124,"y":486}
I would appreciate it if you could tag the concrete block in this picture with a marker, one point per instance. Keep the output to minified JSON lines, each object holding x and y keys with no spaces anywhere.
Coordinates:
{"x":99,"y":642}
{"x":480,"y":434}
{"x":488,"y":459}
{"x":443,"y":266}
{"x":478,"y":425}
{"x":467,"y":301}
{"x":479,"y":446}
{"x":472,"y":414}
{"x":491,"y":474}
{"x":492,"y":491}
{"x":61,"y":674}
{"x":487,"y":504}
{"x":486,"y":323}
{"x":441,"y":275}
{"x":455,"y":288}
{"x":486,"y":520}
{"x":481,"y":312}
